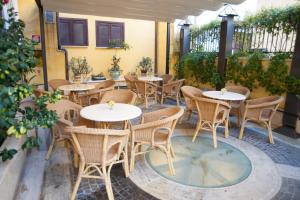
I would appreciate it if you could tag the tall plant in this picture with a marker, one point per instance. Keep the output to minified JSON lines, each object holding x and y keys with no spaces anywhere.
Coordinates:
{"x":17,"y":60}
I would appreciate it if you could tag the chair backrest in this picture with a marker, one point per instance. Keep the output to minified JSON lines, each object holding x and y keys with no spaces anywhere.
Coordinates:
{"x":211,"y":110}
{"x":66,"y":109}
{"x":160,"y":120}
{"x":40,"y":92}
{"x":263,"y":108}
{"x":55,"y":83}
{"x":239,"y":89}
{"x":129,"y":79}
{"x":167,"y":78}
{"x":105,"y":84}
{"x":102,"y":146}
{"x":189,"y":92}
{"x":141,"y":86}
{"x":173,"y":86}
{"x":119,"y":96}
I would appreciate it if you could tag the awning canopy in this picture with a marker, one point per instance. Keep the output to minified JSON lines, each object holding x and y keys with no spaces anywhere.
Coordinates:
{"x":158,"y":10}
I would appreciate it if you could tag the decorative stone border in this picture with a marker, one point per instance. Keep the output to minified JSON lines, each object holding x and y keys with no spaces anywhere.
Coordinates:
{"x":263,"y":183}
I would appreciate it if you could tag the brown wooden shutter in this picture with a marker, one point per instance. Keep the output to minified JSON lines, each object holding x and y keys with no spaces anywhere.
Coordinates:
{"x":116,"y":31}
{"x":102,"y":34}
{"x":64,"y":32}
{"x":73,"y":32}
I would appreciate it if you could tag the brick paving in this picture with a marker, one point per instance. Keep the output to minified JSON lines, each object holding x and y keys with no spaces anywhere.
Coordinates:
{"x":124,"y":188}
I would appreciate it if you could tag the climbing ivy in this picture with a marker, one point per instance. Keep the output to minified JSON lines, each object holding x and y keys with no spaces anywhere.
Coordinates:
{"x":275,"y":77}
{"x":200,"y":66}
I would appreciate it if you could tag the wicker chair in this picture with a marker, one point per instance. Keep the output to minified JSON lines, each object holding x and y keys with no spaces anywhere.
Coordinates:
{"x":105,"y":84}
{"x":69,"y":115}
{"x":211,"y":115}
{"x":99,"y":150}
{"x":40,"y":92}
{"x":55,"y":83}
{"x":146,"y":90}
{"x":119,"y":96}
{"x":171,"y":90}
{"x":166,"y":78}
{"x":155,"y":131}
{"x":130,"y":82}
{"x":93,"y":96}
{"x":189,"y":92}
{"x":236,"y":105}
{"x":260,"y":110}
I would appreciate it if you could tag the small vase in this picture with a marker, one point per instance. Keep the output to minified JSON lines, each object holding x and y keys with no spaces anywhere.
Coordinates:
{"x":77,"y":79}
{"x":115,"y":74}
{"x":144,"y":72}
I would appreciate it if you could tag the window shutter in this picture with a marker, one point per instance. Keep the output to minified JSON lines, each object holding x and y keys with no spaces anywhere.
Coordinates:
{"x":73,"y":32}
{"x":64,"y":32}
{"x":116,"y":31}
{"x":79,"y":33}
{"x":102,"y":34}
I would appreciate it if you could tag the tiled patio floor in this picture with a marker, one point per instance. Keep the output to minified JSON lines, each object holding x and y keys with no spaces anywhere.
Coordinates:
{"x":285,"y":157}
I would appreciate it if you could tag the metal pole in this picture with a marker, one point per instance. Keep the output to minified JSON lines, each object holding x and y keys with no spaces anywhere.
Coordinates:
{"x":225,"y":45}
{"x":43,"y":43}
{"x":292,"y":106}
{"x":185,"y":39}
{"x":168,"y":49}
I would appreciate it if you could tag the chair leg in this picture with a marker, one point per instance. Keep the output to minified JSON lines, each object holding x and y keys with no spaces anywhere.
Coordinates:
{"x":170,"y":163}
{"x":107,"y":181}
{"x":238,"y":118}
{"x":242,"y":130}
{"x":226,"y":133}
{"x":172,"y":151}
{"x":177,"y":99}
{"x":132,"y":157}
{"x":79,"y":177}
{"x":270,"y":132}
{"x":214,"y":132}
{"x":146,"y":102}
{"x":196,"y":131}
{"x":126,"y":167}
{"x":50,"y":147}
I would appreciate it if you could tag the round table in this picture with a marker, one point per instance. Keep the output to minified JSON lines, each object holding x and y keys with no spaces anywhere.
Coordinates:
{"x":103,"y":113}
{"x":76,"y":88}
{"x":150,"y":78}
{"x":226,"y":96}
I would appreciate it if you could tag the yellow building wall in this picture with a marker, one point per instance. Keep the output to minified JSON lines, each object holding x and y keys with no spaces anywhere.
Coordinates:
{"x":139,"y":34}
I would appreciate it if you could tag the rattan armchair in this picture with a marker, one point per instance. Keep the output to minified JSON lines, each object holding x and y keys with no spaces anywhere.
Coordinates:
{"x":55,"y":83}
{"x":130,"y":82}
{"x":105,"y":84}
{"x":236,"y":105}
{"x":69,"y":115}
{"x":171,"y":90}
{"x":155,"y":131}
{"x":261,"y":110}
{"x":211,"y":115}
{"x":119,"y":96}
{"x":166,"y":78}
{"x":146,"y":90}
{"x":99,"y":150}
{"x":189,"y":92}
{"x":93,"y":97}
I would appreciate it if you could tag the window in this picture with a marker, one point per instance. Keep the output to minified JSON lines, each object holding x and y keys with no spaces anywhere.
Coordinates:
{"x":107,"y":32}
{"x":73,"y":32}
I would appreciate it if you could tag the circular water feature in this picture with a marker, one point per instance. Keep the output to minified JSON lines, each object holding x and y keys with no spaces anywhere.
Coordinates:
{"x":199,"y":164}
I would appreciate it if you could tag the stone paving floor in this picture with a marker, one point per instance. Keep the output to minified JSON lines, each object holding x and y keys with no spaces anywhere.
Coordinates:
{"x":123,"y":188}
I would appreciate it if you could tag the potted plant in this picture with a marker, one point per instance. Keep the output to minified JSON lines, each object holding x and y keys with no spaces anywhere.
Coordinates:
{"x":115,"y":70}
{"x":99,"y":76}
{"x":145,"y":65}
{"x":80,"y":68}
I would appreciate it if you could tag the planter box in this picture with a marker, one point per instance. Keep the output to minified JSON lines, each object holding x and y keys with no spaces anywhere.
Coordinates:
{"x":11,"y":170}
